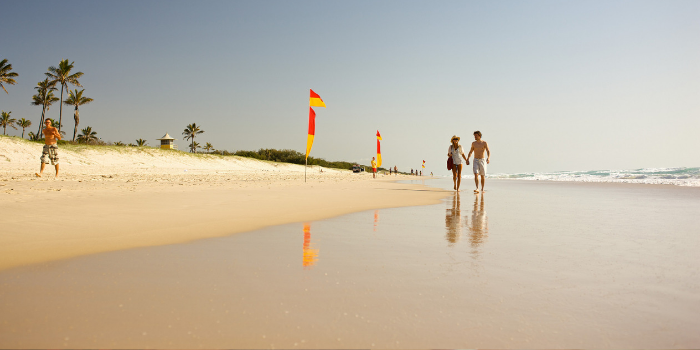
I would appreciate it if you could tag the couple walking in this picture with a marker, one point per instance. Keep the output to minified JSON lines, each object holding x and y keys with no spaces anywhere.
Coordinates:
{"x":457,"y":153}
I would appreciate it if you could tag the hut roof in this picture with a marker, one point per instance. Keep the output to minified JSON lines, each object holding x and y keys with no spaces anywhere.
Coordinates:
{"x":166,"y":137}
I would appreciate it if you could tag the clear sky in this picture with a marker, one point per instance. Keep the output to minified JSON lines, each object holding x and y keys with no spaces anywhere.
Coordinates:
{"x":553,"y":85}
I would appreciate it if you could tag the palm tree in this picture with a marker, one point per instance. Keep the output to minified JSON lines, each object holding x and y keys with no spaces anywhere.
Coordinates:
{"x":208,"y":147}
{"x":32,"y":136}
{"x":62,"y":75}
{"x":141,"y":142}
{"x":6,"y":121}
{"x":44,"y":98}
{"x":190,"y":132}
{"x":194,"y":146}
{"x":6,"y":75}
{"x":23,"y":123}
{"x":76,"y":99}
{"x":119,"y":143}
{"x":87,"y":135}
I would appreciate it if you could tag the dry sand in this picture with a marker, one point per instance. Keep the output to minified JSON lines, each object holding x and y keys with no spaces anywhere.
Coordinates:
{"x":114,"y":198}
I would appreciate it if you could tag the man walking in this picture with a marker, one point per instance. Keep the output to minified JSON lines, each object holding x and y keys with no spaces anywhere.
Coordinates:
{"x":479,"y":167}
{"x":51,"y":137}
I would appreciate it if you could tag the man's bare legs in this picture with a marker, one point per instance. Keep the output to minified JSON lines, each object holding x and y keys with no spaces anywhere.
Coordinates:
{"x":457,"y":175}
{"x":41,"y":171}
{"x":476,"y":182}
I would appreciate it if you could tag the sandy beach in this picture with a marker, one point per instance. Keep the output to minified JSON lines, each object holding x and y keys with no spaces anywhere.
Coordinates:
{"x":207,"y":197}
{"x":113,"y":198}
{"x":525,"y":265}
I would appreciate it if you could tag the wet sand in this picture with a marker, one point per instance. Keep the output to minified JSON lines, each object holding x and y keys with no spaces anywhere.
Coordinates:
{"x":525,"y":265}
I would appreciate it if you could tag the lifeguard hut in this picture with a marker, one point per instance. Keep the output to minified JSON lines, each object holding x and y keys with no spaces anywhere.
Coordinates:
{"x":166,"y":142}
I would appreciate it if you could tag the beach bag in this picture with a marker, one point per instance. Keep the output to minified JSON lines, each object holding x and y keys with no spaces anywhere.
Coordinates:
{"x":450,"y":163}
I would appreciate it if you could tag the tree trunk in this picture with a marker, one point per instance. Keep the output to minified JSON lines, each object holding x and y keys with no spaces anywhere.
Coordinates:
{"x":40,"y":132}
{"x":60,"y":111}
{"x":76,"y":116}
{"x":22,"y":132}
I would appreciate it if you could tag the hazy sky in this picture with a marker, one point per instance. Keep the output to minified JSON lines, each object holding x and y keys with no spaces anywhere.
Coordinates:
{"x":553,"y":85}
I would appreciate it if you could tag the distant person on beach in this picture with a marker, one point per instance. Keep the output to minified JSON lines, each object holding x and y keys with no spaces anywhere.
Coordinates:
{"x":478,"y":147}
{"x":50,"y":150}
{"x":374,"y":168}
{"x":396,"y":171}
{"x":457,"y":153}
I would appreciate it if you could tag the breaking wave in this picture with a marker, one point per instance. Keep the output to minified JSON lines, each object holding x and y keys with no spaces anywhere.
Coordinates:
{"x":657,"y":176}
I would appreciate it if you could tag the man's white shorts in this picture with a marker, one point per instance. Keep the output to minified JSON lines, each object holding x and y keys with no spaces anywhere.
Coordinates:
{"x":479,"y":166}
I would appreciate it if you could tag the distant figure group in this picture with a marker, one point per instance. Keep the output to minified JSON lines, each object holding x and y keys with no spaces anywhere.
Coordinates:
{"x":456,"y":152}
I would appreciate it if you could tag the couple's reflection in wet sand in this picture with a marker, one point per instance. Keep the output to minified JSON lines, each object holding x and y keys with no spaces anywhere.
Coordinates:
{"x":474,"y":223}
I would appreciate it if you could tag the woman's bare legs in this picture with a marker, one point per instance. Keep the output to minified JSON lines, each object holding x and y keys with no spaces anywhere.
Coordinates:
{"x":454,"y":175}
{"x":459,"y":174}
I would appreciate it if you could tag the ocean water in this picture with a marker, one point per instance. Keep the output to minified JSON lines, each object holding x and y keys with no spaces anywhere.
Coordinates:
{"x":523,"y":265}
{"x":657,"y":176}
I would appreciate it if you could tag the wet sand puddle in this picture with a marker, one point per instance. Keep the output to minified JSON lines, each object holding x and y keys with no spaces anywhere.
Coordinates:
{"x":522,"y":265}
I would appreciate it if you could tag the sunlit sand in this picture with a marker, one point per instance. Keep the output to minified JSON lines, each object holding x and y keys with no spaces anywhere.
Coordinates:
{"x":116,"y":198}
{"x":525,"y":265}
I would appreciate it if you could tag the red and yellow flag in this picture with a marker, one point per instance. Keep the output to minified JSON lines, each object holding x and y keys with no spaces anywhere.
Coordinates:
{"x":312,"y":131}
{"x":315,"y":100}
{"x":423,"y":164}
{"x":379,"y":150}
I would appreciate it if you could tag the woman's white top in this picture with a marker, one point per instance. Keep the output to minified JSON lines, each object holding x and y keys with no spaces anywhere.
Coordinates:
{"x":456,"y":154}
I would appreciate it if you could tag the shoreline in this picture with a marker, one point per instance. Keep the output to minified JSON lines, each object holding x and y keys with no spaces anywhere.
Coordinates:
{"x":115,"y":199}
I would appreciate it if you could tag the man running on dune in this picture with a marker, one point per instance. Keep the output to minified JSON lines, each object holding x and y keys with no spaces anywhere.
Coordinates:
{"x":50,"y":151}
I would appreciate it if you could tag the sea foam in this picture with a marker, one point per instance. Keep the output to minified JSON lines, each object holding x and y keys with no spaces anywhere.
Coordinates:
{"x":656,"y":176}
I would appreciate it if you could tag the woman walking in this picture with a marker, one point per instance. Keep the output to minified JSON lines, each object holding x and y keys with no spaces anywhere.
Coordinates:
{"x":455,"y":151}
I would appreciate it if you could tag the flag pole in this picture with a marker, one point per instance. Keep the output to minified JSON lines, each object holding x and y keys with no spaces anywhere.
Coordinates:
{"x":306,"y":163}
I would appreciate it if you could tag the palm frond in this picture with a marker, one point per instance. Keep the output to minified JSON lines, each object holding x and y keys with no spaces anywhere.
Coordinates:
{"x":24,"y":123}
{"x":87,"y":135}
{"x":61,"y":74}
{"x":6,"y":121}
{"x":75,"y":98}
{"x":6,"y":74}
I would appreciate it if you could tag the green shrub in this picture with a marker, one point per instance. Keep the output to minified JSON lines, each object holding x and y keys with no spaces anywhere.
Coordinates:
{"x":291,"y":156}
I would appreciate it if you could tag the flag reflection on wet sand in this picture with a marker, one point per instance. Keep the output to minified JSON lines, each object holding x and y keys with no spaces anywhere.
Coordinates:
{"x":310,"y":255}
{"x":376,"y":220}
